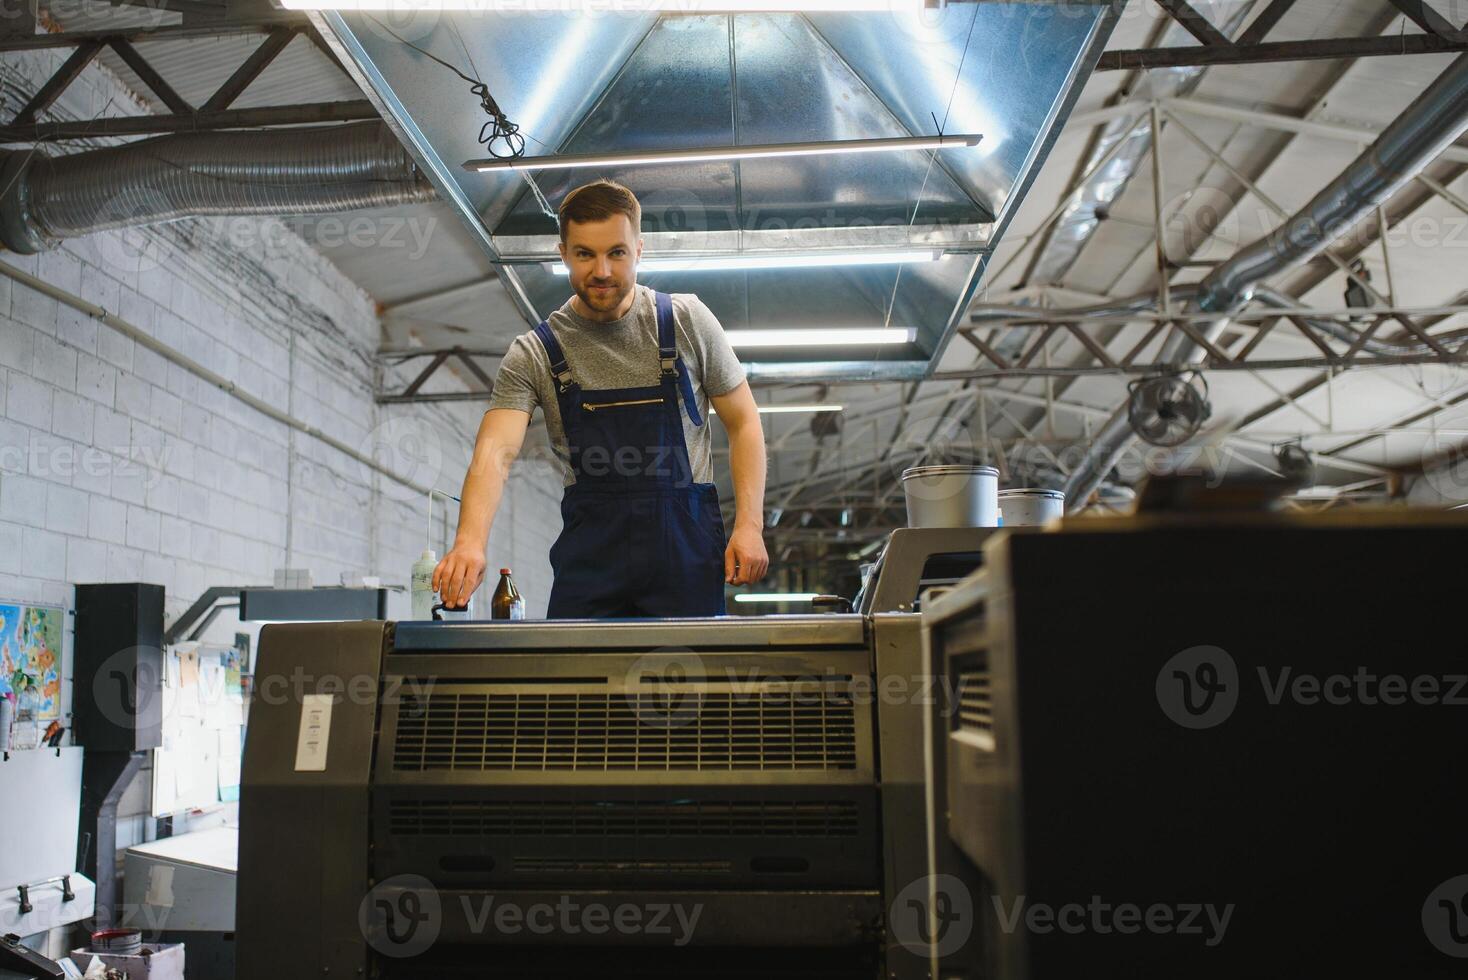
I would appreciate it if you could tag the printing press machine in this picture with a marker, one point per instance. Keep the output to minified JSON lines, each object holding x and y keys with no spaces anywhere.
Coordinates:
{"x":766,"y":774}
{"x":1118,"y":723}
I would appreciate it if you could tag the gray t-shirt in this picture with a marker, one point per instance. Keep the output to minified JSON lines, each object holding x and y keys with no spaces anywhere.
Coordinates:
{"x":623,"y":354}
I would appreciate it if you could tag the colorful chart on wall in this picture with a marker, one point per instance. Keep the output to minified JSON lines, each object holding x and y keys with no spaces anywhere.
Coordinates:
{"x":30,"y":658}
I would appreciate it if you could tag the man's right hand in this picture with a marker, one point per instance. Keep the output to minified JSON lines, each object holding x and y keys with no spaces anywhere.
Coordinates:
{"x":457,"y":576}
{"x":501,"y":434}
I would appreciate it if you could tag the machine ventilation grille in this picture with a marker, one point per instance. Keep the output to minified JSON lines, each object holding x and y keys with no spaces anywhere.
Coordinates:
{"x":628,"y":865}
{"x":975,"y":700}
{"x":668,"y":730}
{"x":624,"y":818}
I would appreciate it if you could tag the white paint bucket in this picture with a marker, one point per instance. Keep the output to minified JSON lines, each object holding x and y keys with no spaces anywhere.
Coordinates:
{"x":1031,"y":507}
{"x":951,"y":496}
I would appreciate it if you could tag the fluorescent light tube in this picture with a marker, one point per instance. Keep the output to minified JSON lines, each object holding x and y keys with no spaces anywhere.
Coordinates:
{"x":776,"y":260}
{"x":783,"y":409}
{"x":613,"y":6}
{"x":836,"y":337}
{"x":775,"y":596}
{"x":638,"y":158}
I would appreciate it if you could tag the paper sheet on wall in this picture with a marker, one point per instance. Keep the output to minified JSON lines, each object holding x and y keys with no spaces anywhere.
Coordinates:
{"x":230,"y":747}
{"x":186,"y":764}
{"x":196,"y":771}
{"x":189,"y":701}
{"x":222,"y":707}
{"x":188,"y":661}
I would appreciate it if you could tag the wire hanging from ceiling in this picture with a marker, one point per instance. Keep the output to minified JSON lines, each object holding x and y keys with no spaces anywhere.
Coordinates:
{"x":499,"y":135}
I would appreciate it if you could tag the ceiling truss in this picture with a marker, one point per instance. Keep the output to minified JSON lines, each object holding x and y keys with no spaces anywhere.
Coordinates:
{"x":1215,"y":48}
{"x":215,"y":112}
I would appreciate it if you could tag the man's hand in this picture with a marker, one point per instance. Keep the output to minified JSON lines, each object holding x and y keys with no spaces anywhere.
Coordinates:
{"x":501,"y":434}
{"x":745,"y":560}
{"x":458,"y":575}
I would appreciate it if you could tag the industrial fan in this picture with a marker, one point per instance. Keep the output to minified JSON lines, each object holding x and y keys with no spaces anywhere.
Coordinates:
{"x":1295,"y":462}
{"x":1168,"y":409}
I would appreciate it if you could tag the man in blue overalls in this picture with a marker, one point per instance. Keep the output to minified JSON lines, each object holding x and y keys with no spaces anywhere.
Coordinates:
{"x":625,"y":377}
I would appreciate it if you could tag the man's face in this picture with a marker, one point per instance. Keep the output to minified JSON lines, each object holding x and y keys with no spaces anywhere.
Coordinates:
{"x":602,"y":257}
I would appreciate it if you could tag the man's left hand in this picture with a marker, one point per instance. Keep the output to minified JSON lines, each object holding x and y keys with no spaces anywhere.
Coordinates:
{"x":745,"y":560}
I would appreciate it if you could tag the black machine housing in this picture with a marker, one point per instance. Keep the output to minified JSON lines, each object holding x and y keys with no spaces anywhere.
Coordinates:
{"x":1180,"y":711}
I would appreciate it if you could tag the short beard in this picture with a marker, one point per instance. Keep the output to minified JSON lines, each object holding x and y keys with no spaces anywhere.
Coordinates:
{"x":615,"y":301}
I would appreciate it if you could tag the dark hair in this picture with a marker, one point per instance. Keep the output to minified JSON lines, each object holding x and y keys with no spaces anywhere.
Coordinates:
{"x":598,"y":201}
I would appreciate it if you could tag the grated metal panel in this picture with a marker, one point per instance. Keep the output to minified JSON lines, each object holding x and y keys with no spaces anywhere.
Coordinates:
{"x":602,"y":731}
{"x":975,"y":700}
{"x":622,"y":818}
{"x":601,"y":865}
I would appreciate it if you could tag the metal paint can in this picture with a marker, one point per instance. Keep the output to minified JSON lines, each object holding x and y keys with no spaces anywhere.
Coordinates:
{"x":951,"y":496}
{"x":1031,"y":507}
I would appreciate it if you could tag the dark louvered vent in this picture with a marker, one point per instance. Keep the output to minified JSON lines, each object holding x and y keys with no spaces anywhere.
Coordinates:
{"x":621,"y":818}
{"x":677,"y":730}
{"x":975,"y":700}
{"x":622,"y":866}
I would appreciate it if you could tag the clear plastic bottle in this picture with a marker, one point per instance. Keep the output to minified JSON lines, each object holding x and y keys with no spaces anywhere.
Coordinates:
{"x":422,"y":584}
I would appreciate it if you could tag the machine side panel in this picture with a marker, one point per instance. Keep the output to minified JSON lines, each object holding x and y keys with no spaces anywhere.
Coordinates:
{"x":304,"y":834}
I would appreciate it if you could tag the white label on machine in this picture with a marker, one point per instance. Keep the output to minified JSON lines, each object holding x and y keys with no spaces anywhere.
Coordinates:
{"x":314,"y":734}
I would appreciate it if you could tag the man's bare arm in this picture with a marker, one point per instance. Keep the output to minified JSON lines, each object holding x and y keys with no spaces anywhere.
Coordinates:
{"x":740,"y":416}
{"x":501,"y":434}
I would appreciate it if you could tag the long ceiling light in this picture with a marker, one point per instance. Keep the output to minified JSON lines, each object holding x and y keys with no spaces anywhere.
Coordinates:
{"x":786,"y":409}
{"x":816,"y":337}
{"x":778,"y":260}
{"x":637,"y":158}
{"x":614,"y":6}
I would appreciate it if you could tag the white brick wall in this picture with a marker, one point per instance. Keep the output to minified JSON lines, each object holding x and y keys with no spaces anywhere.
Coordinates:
{"x":116,"y":464}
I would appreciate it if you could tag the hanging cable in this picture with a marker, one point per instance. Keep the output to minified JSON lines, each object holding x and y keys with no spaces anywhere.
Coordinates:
{"x":499,"y":136}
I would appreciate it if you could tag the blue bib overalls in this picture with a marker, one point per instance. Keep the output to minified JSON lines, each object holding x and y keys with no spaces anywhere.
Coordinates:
{"x":639,"y":537}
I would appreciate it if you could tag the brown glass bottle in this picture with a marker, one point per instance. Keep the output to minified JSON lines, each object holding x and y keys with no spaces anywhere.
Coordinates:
{"x":508,"y":603}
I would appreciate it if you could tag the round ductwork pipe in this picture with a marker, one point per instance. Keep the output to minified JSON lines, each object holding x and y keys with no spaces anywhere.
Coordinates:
{"x":306,"y":170}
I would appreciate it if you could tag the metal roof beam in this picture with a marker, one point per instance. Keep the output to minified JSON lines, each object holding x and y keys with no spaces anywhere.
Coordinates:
{"x":1419,"y":13}
{"x":1249,"y":54}
{"x":1266,"y":22}
{"x":246,"y":73}
{"x":198,"y":122}
{"x":171,"y":32}
{"x":1357,"y":135}
{"x":1195,"y":23}
{"x":57,"y":83}
{"x":149,"y":76}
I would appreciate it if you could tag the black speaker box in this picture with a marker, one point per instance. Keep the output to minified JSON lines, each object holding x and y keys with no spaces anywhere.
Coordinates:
{"x":118,"y":676}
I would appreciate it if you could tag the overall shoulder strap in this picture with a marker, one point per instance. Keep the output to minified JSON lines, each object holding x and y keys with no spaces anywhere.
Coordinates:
{"x":670,"y":365}
{"x":559,"y":371}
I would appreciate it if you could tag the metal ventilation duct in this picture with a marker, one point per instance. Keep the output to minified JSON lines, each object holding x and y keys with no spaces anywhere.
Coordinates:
{"x":615,"y":82}
{"x":298,"y":171}
{"x":1429,"y":125}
